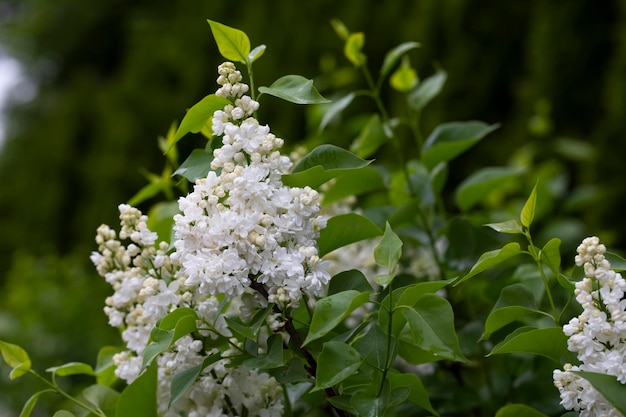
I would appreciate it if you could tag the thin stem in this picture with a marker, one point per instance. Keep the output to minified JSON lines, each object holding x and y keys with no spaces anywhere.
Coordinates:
{"x":389,"y":337}
{"x":58,"y":390}
{"x":536,"y":257}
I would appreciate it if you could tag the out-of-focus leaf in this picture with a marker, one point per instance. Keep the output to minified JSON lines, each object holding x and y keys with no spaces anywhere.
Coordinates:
{"x":492,"y":258}
{"x":72,"y":368}
{"x":197,"y":165}
{"x":449,"y":140}
{"x":394,"y":55}
{"x":610,"y":388}
{"x":427,"y":90}
{"x":353,"y":48}
{"x":371,"y":137}
{"x":518,"y":410}
{"x":478,"y":185}
{"x":335,"y":108}
{"x":139,"y":398}
{"x":199,"y":115}
{"x":528,"y":212}
{"x":16,"y":358}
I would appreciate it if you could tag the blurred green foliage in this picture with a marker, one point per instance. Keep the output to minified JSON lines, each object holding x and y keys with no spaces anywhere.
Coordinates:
{"x":112,"y":76}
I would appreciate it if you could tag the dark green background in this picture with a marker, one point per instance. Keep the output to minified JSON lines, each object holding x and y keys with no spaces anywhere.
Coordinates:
{"x":113,"y":75}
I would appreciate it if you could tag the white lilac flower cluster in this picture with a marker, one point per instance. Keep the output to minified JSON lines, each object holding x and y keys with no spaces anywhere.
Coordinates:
{"x":147,"y":285}
{"x":241,"y":226}
{"x":597,"y":336}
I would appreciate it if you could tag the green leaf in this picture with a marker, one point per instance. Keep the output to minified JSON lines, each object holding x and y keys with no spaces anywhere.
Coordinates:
{"x":518,"y":410}
{"x":29,"y":405}
{"x":274,"y":356}
{"x":427,"y":90}
{"x":394,"y":55}
{"x":551,"y":255}
{"x":388,"y":253}
{"x":197,"y":165}
{"x":480,"y":184}
{"x":404,"y":78}
{"x":407,"y":296}
{"x":354,"y":183}
{"x":371,"y":137}
{"x":232,"y":43}
{"x":63,"y":413}
{"x":332,"y":310}
{"x":105,"y":367}
{"x":295,"y":89}
{"x":248,"y":330}
{"x":172,"y":327}
{"x":490,"y":259}
{"x":618,"y":263}
{"x":336,"y":362}
{"x":372,"y":346}
{"x":161,"y":219}
{"x":353,"y":47}
{"x":368,"y":404}
{"x":156,"y":186}
{"x":335,"y":108}
{"x":72,"y":368}
{"x":349,"y":280}
{"x":255,"y":54}
{"x":449,"y":140}
{"x":528,"y":212}
{"x":104,"y":398}
{"x":183,"y":381}
{"x":199,"y":115}
{"x":549,"y":342}
{"x":16,"y":358}
{"x":139,"y":398}
{"x":345,"y":229}
{"x":322,"y":164}
{"x":509,"y":226}
{"x":516,"y":301}
{"x":417,"y":394}
{"x":610,"y":388}
{"x":340,"y":29}
{"x":431,"y":327}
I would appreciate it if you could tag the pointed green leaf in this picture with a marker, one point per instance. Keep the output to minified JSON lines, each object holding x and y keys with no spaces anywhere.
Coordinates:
{"x":184,"y":380}
{"x":368,"y":404}
{"x":295,"y":89}
{"x":249,"y":330}
{"x":610,"y":388}
{"x":449,"y":140}
{"x":232,"y":43}
{"x":16,"y":358}
{"x":549,"y":342}
{"x":518,"y":410}
{"x":139,"y":398}
{"x":427,"y":90}
{"x":509,"y":226}
{"x":336,"y":362}
{"x":332,"y":310}
{"x":197,"y":165}
{"x":371,"y":137}
{"x":551,"y":254}
{"x":199,"y":115}
{"x":72,"y":368}
{"x":333,"y":109}
{"x":528,"y":212}
{"x":345,"y":229}
{"x":389,"y":250}
{"x":480,"y":184}
{"x":256,"y":53}
{"x":150,"y":190}
{"x":353,"y":48}
{"x":394,"y":55}
{"x":29,"y":405}
{"x":340,"y":29}
{"x":516,"y":301}
{"x":273,"y":357}
{"x":431,"y":327}
{"x":417,"y":394}
{"x":490,"y":259}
